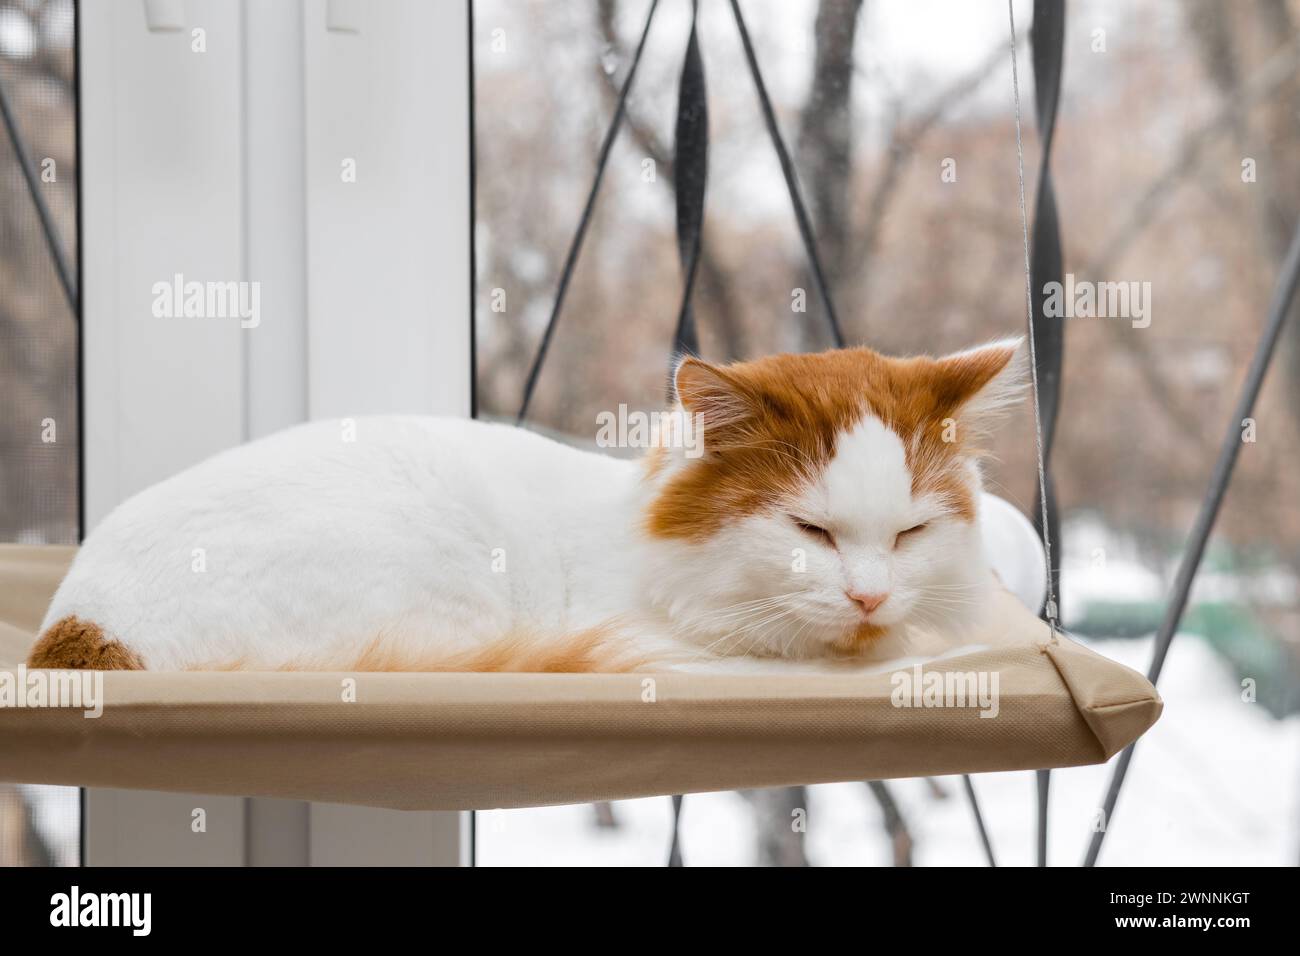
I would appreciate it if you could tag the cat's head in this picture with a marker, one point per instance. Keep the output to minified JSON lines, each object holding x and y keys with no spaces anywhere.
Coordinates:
{"x":835,"y":501}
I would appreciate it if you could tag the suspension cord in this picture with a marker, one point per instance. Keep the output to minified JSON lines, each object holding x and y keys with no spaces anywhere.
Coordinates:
{"x":571,"y":259}
{"x":1050,"y":611}
{"x":791,"y":179}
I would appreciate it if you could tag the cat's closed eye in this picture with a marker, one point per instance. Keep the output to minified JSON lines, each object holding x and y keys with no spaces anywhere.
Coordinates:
{"x":909,"y":532}
{"x":814,"y":530}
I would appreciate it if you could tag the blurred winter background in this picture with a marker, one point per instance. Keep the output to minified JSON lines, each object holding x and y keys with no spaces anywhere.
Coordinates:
{"x":1162,"y":102}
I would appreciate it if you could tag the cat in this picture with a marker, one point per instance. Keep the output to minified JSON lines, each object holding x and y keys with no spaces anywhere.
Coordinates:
{"x":828,"y":518}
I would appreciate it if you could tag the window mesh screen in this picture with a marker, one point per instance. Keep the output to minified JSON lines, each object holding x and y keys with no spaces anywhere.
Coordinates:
{"x":38,"y":353}
{"x":38,"y":332}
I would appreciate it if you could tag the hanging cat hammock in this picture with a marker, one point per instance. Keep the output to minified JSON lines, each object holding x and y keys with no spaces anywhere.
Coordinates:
{"x":1034,"y":699}
{"x":479,"y":741}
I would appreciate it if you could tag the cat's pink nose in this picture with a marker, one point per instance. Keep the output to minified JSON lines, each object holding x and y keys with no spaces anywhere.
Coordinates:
{"x":868,"y":602}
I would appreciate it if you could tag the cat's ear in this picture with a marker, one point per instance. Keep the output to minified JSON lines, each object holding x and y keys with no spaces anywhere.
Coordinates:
{"x":982,"y":384}
{"x":712,"y":394}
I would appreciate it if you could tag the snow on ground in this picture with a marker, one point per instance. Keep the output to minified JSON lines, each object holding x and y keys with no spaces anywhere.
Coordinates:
{"x":56,"y":815}
{"x":1213,"y":783}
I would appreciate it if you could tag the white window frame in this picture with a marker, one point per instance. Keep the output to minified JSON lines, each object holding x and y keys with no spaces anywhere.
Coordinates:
{"x":226,"y":165}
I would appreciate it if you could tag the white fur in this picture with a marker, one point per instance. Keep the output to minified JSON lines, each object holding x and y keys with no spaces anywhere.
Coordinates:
{"x":313,"y":546}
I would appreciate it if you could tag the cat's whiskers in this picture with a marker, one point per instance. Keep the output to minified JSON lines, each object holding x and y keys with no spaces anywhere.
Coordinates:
{"x":741,"y":610}
{"x":808,"y":622}
{"x":794,"y":638}
{"x":946,"y":607}
{"x":738,"y":635}
{"x":939,"y":600}
{"x":729,"y":621}
{"x":770,"y":617}
{"x":730,"y":635}
{"x":744,"y":608}
{"x":963,"y":594}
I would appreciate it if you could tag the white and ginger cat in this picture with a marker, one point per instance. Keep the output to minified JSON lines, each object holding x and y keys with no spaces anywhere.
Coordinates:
{"x":831,"y":518}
